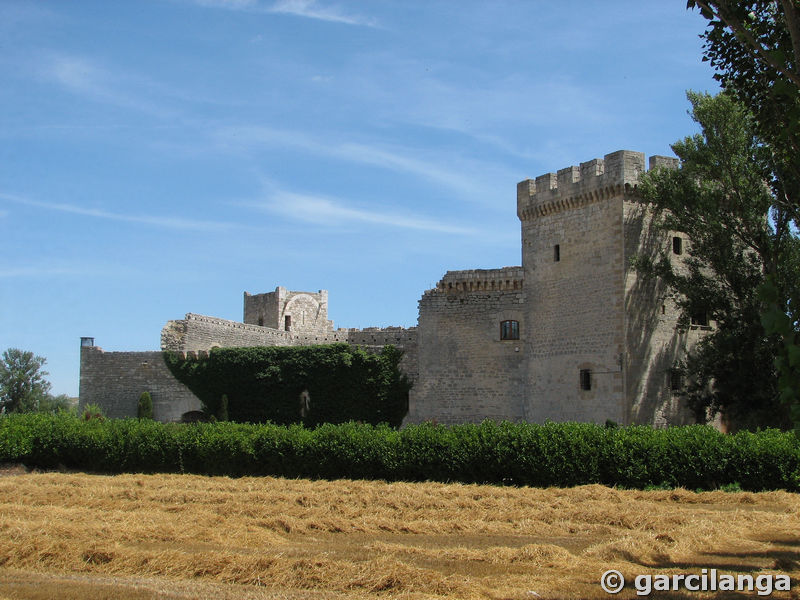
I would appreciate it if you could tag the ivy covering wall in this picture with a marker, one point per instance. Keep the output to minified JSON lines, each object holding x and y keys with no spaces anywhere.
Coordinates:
{"x":304,"y":384}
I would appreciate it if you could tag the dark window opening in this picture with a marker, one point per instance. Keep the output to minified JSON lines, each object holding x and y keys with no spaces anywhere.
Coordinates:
{"x":509,"y":330}
{"x":700,"y":318}
{"x":675,"y":380}
{"x":586,"y":379}
{"x":677,"y":245}
{"x":556,"y":253}
{"x":260,"y":321}
{"x":287,"y":321}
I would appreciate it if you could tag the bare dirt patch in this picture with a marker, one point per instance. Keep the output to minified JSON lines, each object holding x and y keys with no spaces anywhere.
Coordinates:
{"x":67,"y":535}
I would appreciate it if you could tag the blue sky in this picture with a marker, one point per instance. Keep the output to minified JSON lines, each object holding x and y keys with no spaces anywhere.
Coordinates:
{"x":160,"y":157}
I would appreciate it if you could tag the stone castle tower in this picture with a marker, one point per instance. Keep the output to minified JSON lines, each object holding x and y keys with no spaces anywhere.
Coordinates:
{"x":601,"y":341}
{"x":573,"y":334}
{"x":289,"y":311}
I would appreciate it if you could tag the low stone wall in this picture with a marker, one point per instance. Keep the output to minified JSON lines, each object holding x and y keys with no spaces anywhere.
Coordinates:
{"x":115,"y":380}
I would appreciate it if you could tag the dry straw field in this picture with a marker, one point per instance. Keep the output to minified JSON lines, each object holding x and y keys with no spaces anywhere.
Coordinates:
{"x":177,"y":536}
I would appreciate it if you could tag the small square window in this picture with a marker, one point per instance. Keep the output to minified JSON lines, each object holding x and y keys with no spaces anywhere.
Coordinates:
{"x":556,"y":253}
{"x":586,"y":379}
{"x":509,"y":330}
{"x":677,"y":245}
{"x":700,"y":318}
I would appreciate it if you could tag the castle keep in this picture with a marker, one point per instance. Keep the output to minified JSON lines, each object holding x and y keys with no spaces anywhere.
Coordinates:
{"x":573,"y":334}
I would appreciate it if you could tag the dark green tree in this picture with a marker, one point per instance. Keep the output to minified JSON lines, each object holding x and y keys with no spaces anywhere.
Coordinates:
{"x":222,"y":412}
{"x":22,"y":381}
{"x":721,"y":198}
{"x":144,"y":408}
{"x":755,"y":48}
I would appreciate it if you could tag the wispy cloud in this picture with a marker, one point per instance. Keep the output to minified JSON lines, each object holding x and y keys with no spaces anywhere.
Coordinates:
{"x":89,"y":79}
{"x":323,"y":210}
{"x":456,"y":175}
{"x":164,"y":221}
{"x":229,"y":4}
{"x":313,"y":10}
{"x":309,"y":9}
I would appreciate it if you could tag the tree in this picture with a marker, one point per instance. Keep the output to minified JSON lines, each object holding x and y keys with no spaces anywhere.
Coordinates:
{"x":222,"y":412}
{"x":56,"y":404}
{"x":22,"y":381}
{"x":755,"y":48}
{"x":144,"y":409}
{"x":720,"y":198}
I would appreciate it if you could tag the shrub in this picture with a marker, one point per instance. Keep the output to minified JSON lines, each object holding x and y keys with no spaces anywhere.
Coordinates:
{"x":144,"y":409}
{"x":93,"y":411}
{"x":553,"y":454}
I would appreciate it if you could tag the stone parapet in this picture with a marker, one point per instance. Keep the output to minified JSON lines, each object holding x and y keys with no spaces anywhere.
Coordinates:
{"x":615,"y":174}
{"x":480,"y":280}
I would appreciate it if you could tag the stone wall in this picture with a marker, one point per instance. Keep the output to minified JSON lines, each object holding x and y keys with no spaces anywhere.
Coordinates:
{"x":466,"y":372}
{"x":115,"y":380}
{"x":298,"y":312}
{"x":200,"y":332}
{"x":654,"y":345}
{"x":572,"y":255}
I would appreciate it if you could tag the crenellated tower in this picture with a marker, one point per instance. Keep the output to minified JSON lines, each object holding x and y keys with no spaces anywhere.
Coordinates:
{"x":600,"y":341}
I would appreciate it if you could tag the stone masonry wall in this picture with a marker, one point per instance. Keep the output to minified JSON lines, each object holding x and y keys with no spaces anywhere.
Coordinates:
{"x":199,"y":332}
{"x":115,"y":380}
{"x":572,"y":254}
{"x":466,"y":372}
{"x":301,"y":312}
{"x":653,"y":343}
{"x":262,"y":309}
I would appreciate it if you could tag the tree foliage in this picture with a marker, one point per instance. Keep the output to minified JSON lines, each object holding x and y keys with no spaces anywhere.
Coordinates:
{"x":721,"y":199}
{"x":22,"y":381}
{"x":755,"y":48}
{"x":144,"y":408}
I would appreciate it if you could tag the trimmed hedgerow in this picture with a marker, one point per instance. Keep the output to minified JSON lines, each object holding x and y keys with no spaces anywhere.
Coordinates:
{"x":564,"y":454}
{"x":339,"y":382}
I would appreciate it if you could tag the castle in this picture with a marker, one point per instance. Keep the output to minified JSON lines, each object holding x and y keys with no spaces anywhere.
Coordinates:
{"x":574,"y":334}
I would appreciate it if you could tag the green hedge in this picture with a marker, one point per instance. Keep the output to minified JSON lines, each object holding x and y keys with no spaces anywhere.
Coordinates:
{"x":343,"y":383}
{"x":567,"y":454}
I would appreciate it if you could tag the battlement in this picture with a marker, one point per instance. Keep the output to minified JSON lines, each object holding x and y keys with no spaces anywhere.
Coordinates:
{"x":615,"y":174}
{"x":200,"y":332}
{"x":480,"y":280}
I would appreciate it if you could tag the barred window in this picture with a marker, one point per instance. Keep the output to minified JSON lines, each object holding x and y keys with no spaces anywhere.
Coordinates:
{"x":509,"y":330}
{"x":675,"y":379}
